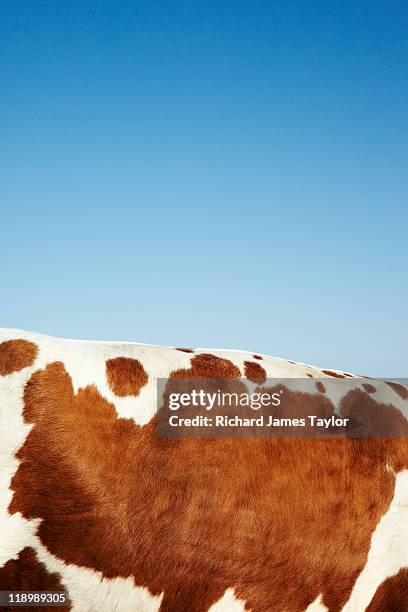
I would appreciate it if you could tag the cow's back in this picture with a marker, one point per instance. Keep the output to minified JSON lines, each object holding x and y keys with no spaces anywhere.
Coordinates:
{"x":92,"y":501}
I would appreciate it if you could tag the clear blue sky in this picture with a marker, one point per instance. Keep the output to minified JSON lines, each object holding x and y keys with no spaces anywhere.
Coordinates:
{"x":228,"y":174}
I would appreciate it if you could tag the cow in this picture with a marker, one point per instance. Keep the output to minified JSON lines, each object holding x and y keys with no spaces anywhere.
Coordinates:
{"x":94,"y":504}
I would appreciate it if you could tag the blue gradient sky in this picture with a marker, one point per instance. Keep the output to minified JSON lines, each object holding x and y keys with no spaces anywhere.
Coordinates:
{"x":228,"y":174}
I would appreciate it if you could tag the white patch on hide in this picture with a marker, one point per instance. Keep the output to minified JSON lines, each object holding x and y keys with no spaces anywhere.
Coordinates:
{"x":228,"y":603}
{"x":388,"y":551}
{"x":316,"y":606}
{"x":89,"y":591}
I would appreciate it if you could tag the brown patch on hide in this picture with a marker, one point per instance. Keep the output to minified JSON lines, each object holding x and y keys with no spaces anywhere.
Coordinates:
{"x":369,"y":388}
{"x":257,"y":357}
{"x":334,"y":374}
{"x":185,"y":350}
{"x":374,"y":420}
{"x":126,"y":376}
{"x":300,"y":405}
{"x":206,"y":365}
{"x":210,"y":374}
{"x":282,"y":520}
{"x":16,"y":355}
{"x":254,"y":372}
{"x":310,"y":375}
{"x":320,"y":387}
{"x":27,"y":573}
{"x":392,"y":594}
{"x":400,"y":389}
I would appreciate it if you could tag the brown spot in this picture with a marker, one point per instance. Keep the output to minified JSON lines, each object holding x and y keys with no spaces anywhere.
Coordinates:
{"x":369,"y":388}
{"x":257,"y":357}
{"x":206,"y":365}
{"x":372,"y":419}
{"x":292,"y":362}
{"x":126,"y":376}
{"x":27,"y":573}
{"x":334,"y":374}
{"x":310,"y":375}
{"x":185,"y":350}
{"x":320,"y":387}
{"x":209,"y":373}
{"x":400,"y":389}
{"x":254,"y":372}
{"x":16,"y":355}
{"x":392,"y":594}
{"x":349,"y":375}
{"x":191,"y":517}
